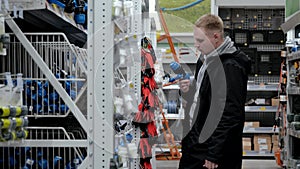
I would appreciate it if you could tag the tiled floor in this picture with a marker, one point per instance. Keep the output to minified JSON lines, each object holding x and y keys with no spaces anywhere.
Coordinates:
{"x":247,"y":164}
{"x":260,"y":164}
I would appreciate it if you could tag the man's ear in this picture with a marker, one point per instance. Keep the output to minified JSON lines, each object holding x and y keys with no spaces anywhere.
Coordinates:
{"x":216,"y":35}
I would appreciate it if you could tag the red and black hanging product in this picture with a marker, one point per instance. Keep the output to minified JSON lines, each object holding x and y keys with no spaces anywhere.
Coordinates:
{"x":145,"y":117}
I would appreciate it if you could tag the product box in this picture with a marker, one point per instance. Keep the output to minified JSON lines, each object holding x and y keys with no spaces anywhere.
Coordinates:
{"x":262,"y":138}
{"x":275,"y":142}
{"x":275,"y":147}
{"x":260,"y":101}
{"x":262,"y":148}
{"x":275,"y":101}
{"x":262,"y":143}
{"x":275,"y":138}
{"x":251,"y":124}
{"x":247,"y":144}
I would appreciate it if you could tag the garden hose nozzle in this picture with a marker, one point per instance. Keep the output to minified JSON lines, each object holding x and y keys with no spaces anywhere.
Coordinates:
{"x":4,"y":111}
{"x":6,"y":123}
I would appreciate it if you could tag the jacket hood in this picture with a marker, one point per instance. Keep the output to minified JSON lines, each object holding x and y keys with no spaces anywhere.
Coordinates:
{"x":241,"y":58}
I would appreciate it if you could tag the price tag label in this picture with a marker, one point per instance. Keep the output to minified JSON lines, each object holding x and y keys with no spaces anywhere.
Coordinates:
{"x":262,"y":108}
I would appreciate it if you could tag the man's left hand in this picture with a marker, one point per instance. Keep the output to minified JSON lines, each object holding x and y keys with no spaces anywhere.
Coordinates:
{"x":210,"y":165}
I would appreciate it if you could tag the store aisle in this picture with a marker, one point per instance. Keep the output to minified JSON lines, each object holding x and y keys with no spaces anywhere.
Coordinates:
{"x":260,"y":164}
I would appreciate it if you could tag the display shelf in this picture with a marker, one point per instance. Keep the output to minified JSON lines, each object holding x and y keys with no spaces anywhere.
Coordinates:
{"x":186,"y":59}
{"x":171,"y":87}
{"x":23,"y":4}
{"x":163,"y":148}
{"x":293,"y":56}
{"x":43,"y":140}
{"x":257,"y":154}
{"x":291,"y":138}
{"x":165,"y":163}
{"x":293,"y":90}
{"x":273,"y":87}
{"x":53,"y":19}
{"x":186,"y":53}
{"x":261,"y":108}
{"x":267,"y":47}
{"x":260,"y":130}
{"x":159,"y":149}
{"x":45,"y":136}
{"x":294,"y":133}
{"x":173,"y":116}
{"x":60,"y":13}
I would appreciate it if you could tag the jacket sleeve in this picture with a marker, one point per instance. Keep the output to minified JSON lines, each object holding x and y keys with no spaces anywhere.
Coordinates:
{"x":187,"y":99}
{"x":189,"y":96}
{"x":232,"y":117}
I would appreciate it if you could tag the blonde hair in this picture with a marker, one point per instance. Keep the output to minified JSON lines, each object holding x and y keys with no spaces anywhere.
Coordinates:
{"x":210,"y":22}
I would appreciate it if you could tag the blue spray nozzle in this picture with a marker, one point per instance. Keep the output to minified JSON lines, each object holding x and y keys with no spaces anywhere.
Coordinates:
{"x":179,"y":76}
{"x":174,"y":66}
{"x":177,"y":68}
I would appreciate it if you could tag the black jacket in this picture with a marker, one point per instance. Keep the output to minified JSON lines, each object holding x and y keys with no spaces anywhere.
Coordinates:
{"x":224,"y":146}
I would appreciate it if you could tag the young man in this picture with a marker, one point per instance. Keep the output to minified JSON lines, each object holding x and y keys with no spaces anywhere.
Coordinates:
{"x":217,"y":106}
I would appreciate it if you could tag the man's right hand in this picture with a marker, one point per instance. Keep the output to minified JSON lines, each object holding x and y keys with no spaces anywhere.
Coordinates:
{"x":184,"y":85}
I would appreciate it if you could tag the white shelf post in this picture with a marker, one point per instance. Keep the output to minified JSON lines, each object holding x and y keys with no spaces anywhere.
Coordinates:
{"x":100,"y":81}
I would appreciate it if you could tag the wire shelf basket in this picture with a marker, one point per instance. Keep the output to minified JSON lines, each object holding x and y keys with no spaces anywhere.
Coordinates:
{"x":44,"y":156}
{"x":67,"y":62}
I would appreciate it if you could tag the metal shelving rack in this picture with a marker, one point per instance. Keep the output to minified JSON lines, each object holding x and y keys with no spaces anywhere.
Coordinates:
{"x":36,"y":50}
{"x":95,"y":134}
{"x":51,"y":17}
{"x":290,"y":157}
{"x":289,"y":154}
{"x":101,"y":77}
{"x":30,"y":151}
{"x":100,"y":81}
